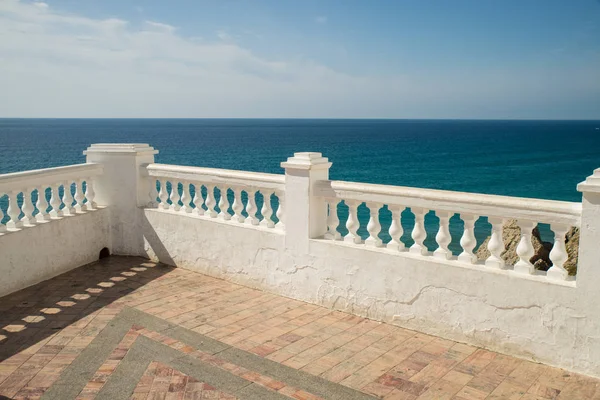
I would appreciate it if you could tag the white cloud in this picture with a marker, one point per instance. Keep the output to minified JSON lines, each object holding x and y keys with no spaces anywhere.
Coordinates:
{"x":321,"y":19}
{"x":160,"y":26}
{"x":41,"y":5}
{"x":58,"y":64}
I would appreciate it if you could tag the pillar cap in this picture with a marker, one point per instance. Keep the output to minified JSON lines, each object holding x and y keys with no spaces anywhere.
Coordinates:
{"x":121,"y":149}
{"x":306,"y":160}
{"x":591,"y":184}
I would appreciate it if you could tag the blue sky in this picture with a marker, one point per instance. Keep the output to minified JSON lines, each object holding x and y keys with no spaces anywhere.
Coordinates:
{"x":363,"y":59}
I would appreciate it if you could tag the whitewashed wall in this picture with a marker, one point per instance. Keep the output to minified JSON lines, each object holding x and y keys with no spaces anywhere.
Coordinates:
{"x":41,"y":252}
{"x":552,"y":323}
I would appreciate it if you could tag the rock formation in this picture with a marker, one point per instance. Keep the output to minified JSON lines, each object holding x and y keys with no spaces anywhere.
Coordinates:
{"x":511,"y":234}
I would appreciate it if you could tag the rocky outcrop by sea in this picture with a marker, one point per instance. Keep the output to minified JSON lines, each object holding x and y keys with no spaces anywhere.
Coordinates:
{"x":511,"y":234}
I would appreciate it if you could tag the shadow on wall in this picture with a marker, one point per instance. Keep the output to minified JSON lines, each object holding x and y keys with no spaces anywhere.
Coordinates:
{"x":156,"y":245}
{"x":32,"y":314}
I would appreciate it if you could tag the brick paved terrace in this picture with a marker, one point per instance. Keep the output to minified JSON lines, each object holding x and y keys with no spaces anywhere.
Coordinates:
{"x":124,"y":327}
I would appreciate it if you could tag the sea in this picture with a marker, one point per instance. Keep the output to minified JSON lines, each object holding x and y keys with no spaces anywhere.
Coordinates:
{"x":526,"y":158}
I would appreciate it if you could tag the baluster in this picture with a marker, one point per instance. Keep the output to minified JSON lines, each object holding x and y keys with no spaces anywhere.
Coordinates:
{"x":185,"y":198}
{"x":267,"y":210}
{"x":174,"y":196}
{"x":237,"y":205}
{"x":418,"y":233}
{"x":27,"y":208}
{"x":352,"y":224}
{"x":67,"y":199}
{"x":198,"y":199}
{"x":163,"y":195}
{"x":525,"y":249}
{"x":467,"y":240}
{"x":55,"y":202}
{"x":79,"y":195}
{"x":251,"y":208}
{"x":13,"y":211}
{"x":373,"y":227}
{"x":2,"y":215}
{"x":280,"y":214}
{"x":153,"y":194}
{"x":443,"y":237}
{"x":496,"y":244}
{"x":396,"y":230}
{"x":42,"y":205}
{"x":90,"y":195}
{"x":332,"y":220}
{"x":224,"y":204}
{"x":558,"y":254}
{"x":210,"y":201}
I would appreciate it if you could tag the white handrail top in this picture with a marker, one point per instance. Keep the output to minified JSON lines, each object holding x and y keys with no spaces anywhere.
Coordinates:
{"x":539,"y":210}
{"x":47,"y":176}
{"x":216,"y":175}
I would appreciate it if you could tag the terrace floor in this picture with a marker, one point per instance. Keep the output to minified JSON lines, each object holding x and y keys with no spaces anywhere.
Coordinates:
{"x":128,"y":328}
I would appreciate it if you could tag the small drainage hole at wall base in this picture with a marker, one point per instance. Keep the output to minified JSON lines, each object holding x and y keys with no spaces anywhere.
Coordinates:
{"x":103,"y":253}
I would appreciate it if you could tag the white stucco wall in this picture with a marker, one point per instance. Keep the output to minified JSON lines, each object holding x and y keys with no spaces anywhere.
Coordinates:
{"x":34,"y":254}
{"x":548,"y":322}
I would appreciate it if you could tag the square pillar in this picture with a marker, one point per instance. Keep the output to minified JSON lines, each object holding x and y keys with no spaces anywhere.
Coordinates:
{"x":305,"y":215}
{"x":124,"y":188}
{"x":588,"y":263}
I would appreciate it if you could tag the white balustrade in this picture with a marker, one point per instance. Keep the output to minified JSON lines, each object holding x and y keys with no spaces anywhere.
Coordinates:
{"x":224,"y":204}
{"x":373,"y":227}
{"x":496,"y":244}
{"x":55,"y":202}
{"x":443,"y":237}
{"x":352,"y":223}
{"x":13,"y":211}
{"x":90,"y":195}
{"x":79,"y":197}
{"x":267,"y":210}
{"x":396,"y":230}
{"x":198,"y":200}
{"x":467,"y":240}
{"x":558,"y":254}
{"x":20,"y":187}
{"x":163,"y":194}
{"x":280,"y":210}
{"x":42,"y":205}
{"x":153,"y":203}
{"x":27,"y":208}
{"x":237,"y":206}
{"x":186,"y":199}
{"x":174,"y":197}
{"x":418,"y":233}
{"x":238,"y":181}
{"x":251,"y":208}
{"x":470,"y":206}
{"x":332,"y":220}
{"x":210,"y":201}
{"x":525,"y":248}
{"x":67,"y":199}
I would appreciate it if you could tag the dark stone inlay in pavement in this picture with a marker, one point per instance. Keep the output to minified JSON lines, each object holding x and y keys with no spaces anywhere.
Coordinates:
{"x":122,"y":382}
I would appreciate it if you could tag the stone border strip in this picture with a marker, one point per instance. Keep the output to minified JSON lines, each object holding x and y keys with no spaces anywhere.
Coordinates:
{"x":130,"y":370}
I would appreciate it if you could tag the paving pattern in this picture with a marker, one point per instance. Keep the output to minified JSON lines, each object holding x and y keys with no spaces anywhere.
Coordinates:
{"x":127,"y":328}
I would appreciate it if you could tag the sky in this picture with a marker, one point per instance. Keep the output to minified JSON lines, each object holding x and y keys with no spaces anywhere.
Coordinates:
{"x":476,"y":59}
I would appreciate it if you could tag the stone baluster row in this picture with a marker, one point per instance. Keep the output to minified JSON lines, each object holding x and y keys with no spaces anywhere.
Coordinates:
{"x":172,"y":200}
{"x":468,"y":242}
{"x":25,"y":215}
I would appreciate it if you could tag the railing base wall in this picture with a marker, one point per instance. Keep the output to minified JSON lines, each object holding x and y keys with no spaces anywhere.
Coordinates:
{"x":32,"y":255}
{"x":533,"y":319}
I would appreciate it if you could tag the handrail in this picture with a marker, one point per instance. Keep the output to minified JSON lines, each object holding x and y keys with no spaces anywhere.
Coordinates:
{"x":216,"y":176}
{"x":546,"y":211}
{"x":28,"y":179}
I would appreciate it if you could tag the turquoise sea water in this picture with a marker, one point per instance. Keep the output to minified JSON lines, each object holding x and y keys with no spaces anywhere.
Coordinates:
{"x":540,"y":159}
